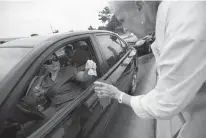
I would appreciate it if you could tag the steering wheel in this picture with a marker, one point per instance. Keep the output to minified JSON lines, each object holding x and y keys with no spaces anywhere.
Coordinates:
{"x":29,"y":112}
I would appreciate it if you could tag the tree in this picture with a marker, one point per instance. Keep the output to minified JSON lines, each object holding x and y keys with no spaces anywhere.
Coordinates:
{"x":105,"y":15}
{"x":102,"y":28}
{"x":112,"y":24}
{"x":91,"y":28}
{"x":56,"y":31}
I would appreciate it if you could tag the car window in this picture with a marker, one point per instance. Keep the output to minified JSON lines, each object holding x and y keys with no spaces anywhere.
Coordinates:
{"x":111,"y":47}
{"x":56,"y":91}
{"x":60,"y":52}
{"x":124,"y":46}
{"x":9,"y":58}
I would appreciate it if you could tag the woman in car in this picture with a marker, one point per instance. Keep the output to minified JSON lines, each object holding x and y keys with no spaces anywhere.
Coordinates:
{"x":59,"y":85}
{"x":47,"y":93}
{"x":42,"y":87}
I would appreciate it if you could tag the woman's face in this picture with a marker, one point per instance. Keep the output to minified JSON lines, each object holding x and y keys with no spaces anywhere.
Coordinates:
{"x":52,"y":64}
{"x":142,"y":22}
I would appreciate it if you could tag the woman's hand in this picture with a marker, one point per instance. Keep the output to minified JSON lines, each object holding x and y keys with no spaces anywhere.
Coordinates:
{"x":106,"y":90}
{"x":39,"y":94}
{"x":38,"y":91}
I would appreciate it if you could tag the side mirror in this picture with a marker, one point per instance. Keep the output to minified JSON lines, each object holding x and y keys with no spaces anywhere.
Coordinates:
{"x":132,"y":53}
{"x":139,"y":43}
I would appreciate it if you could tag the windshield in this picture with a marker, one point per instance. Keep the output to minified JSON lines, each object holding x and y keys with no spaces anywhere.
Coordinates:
{"x":9,"y":58}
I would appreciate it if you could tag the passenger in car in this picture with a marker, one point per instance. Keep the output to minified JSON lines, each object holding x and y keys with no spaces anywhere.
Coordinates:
{"x":80,"y":55}
{"x":64,"y":80}
{"x":43,"y":85}
{"x":52,"y":85}
{"x":64,"y":88}
{"x":69,"y":51}
{"x":85,"y":65}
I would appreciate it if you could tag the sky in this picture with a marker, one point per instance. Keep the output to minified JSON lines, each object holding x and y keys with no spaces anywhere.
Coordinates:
{"x":21,"y":18}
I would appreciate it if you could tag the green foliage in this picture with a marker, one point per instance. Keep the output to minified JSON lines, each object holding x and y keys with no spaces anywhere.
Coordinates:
{"x":102,"y":28}
{"x":91,"y":28}
{"x":112,"y":24}
{"x":105,"y":15}
{"x":56,"y":31}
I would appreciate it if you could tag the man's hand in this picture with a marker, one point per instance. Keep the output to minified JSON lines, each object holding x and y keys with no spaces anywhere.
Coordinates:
{"x":106,"y":90}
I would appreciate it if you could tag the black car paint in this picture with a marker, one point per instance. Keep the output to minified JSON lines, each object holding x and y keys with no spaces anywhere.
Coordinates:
{"x":97,"y":123}
{"x":33,"y":61}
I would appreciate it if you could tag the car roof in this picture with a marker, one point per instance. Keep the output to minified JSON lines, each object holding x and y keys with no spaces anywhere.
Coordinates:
{"x":36,"y":40}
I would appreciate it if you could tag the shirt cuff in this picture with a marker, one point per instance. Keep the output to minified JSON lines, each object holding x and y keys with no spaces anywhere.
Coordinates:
{"x":135,"y":103}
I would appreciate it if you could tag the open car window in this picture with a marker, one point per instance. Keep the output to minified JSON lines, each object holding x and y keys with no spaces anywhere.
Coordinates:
{"x":112,"y":48}
{"x":55,"y":92}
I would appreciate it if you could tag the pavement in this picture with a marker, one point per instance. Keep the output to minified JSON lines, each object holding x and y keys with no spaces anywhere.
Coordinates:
{"x":126,"y":123}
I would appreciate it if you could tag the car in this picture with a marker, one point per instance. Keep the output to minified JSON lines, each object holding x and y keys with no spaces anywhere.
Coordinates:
{"x":21,"y":60}
{"x":131,"y":39}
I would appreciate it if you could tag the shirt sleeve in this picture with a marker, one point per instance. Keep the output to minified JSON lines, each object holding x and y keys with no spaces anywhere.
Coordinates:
{"x":182,"y":63}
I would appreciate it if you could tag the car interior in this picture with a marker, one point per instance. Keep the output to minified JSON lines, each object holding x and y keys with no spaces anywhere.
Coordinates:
{"x":74,"y":54}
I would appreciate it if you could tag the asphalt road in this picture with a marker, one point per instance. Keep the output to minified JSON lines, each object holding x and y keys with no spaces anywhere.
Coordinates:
{"x":126,"y":124}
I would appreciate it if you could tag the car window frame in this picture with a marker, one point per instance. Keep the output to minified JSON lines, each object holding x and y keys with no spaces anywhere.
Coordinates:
{"x":61,"y":114}
{"x":16,"y":81}
{"x":57,"y":116}
{"x":112,"y":71}
{"x":122,"y":40}
{"x":46,"y":51}
{"x":32,"y":66}
{"x":102,"y":53}
{"x":118,"y":68}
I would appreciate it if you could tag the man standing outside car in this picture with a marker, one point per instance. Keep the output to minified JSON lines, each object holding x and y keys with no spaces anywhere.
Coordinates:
{"x":180,"y":53}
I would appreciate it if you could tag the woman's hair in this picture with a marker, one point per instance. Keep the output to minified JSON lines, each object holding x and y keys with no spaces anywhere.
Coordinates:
{"x":117,"y":6}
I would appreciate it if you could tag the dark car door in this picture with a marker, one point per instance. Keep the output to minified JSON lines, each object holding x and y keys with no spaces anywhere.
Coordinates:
{"x":90,"y":108}
{"x":87,"y":101}
{"x":95,"y":113}
{"x":118,"y":56}
{"x":120,"y":66}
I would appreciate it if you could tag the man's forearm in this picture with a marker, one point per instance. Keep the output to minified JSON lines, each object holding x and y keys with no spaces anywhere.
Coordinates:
{"x":134,"y":103}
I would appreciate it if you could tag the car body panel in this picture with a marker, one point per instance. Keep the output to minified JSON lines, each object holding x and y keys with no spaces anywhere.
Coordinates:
{"x":31,"y":62}
{"x":15,"y":84}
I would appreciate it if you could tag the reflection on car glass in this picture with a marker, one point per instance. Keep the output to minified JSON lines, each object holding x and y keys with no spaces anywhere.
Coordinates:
{"x":60,"y":52}
{"x":8,"y":61}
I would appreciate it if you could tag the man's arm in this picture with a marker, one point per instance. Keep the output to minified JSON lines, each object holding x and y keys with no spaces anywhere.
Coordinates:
{"x":182,"y":63}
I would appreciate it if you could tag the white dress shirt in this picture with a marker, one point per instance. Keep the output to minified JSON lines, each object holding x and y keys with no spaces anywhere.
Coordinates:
{"x":180,"y":53}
